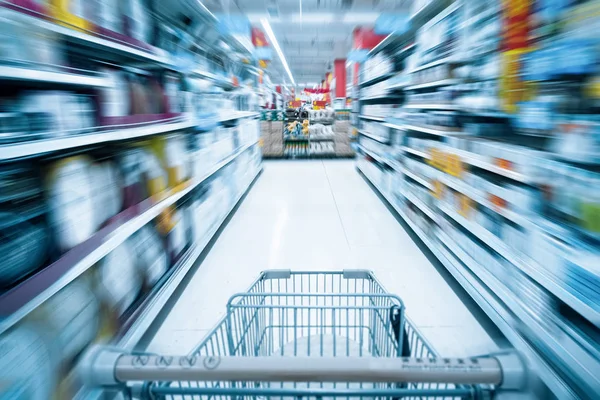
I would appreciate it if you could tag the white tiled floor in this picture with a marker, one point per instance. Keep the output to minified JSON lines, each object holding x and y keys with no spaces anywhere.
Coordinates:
{"x":308,"y":215}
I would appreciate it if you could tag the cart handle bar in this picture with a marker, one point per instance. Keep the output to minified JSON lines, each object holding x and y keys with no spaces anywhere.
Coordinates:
{"x":108,"y":368}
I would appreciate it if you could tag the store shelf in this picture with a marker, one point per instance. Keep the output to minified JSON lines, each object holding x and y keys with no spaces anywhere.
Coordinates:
{"x":374,"y":137}
{"x":488,"y":301}
{"x":433,"y":131}
{"x":477,"y":161}
{"x":90,"y":42}
{"x":433,"y":106}
{"x":382,"y":96}
{"x":40,"y":147}
{"x":427,"y":12}
{"x":394,"y":126}
{"x":584,"y":365}
{"x":159,"y":299}
{"x":499,"y":304}
{"x":421,"y":206}
{"x":323,"y":139}
{"x":441,"y":82}
{"x":70,"y":78}
{"x":27,"y":296}
{"x":398,"y":85}
{"x":416,"y":178}
{"x":441,"y":61}
{"x":372,"y":118}
{"x":217,"y":79}
{"x":238,"y":115}
{"x":528,"y":266}
{"x":416,"y":152}
{"x":406,"y":49}
{"x":374,"y":155}
{"x":480,"y":197}
{"x":311,"y":156}
{"x":377,"y":79}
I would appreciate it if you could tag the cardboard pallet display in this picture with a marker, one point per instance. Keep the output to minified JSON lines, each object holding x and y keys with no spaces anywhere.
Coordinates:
{"x":272,"y":139}
{"x":342,"y":139}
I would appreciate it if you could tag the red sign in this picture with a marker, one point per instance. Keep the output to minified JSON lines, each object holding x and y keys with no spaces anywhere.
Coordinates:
{"x":517,"y":20}
{"x":340,"y":78}
{"x":365,"y":38}
{"x":258,"y":38}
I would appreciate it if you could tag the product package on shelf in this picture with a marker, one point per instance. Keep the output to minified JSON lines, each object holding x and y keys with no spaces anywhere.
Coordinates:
{"x":70,"y":197}
{"x":24,"y":228}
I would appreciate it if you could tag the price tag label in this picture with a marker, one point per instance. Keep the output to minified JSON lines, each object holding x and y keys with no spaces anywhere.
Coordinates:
{"x":504,"y":164}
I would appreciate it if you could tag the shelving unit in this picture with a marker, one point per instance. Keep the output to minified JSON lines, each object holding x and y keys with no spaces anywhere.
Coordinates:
{"x":159,"y":299}
{"x":197,"y":155}
{"x":482,"y":235}
{"x":484,"y":293}
{"x":22,"y":300}
{"x":25,"y":75}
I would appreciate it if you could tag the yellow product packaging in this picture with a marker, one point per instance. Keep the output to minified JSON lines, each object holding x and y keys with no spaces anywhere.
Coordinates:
{"x":72,"y":13}
{"x":592,"y":88}
{"x":513,"y":90}
{"x":172,"y":156}
{"x":155,"y":174}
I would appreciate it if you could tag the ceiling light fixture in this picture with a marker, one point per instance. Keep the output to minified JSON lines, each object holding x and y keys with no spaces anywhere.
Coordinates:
{"x":275,"y":44}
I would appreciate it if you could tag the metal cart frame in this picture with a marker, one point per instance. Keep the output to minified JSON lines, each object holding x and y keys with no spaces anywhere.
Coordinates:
{"x":309,"y":334}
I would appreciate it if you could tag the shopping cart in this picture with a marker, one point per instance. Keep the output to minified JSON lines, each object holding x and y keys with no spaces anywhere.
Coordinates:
{"x":308,"y":334}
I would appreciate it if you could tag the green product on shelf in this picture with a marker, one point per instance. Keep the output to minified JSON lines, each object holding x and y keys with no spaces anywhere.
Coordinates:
{"x":590,"y":216}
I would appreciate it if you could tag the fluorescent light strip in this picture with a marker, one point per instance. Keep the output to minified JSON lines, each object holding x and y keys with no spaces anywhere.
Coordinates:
{"x":273,"y":40}
{"x":207,"y":10}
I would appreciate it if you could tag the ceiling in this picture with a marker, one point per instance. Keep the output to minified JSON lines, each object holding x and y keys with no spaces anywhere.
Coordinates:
{"x":313,"y":36}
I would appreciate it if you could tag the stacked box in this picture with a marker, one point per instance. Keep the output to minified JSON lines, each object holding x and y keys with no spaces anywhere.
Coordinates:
{"x":272,"y":138}
{"x":342,"y":130}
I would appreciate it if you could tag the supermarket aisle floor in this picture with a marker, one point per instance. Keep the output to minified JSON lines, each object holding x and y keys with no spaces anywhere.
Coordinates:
{"x":320,"y":215}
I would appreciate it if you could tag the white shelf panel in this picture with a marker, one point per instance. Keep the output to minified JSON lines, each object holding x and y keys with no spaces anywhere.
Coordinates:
{"x":433,"y":131}
{"x":478,"y":161}
{"x":528,"y":266}
{"x":374,"y":137}
{"x":480,"y":198}
{"x":416,"y":178}
{"x":441,"y":61}
{"x":422,"y":206}
{"x":433,"y":106}
{"x":38,"y":147}
{"x":416,"y":152}
{"x":489,"y":303}
{"x":238,"y":115}
{"x":442,"y":82}
{"x":93,"y":41}
{"x":372,"y":118}
{"x":21,"y":74}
